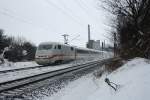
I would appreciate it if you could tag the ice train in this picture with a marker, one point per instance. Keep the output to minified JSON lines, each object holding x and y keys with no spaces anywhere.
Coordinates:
{"x":53,"y":52}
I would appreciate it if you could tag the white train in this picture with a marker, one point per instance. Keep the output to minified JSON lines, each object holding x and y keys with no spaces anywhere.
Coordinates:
{"x":53,"y":52}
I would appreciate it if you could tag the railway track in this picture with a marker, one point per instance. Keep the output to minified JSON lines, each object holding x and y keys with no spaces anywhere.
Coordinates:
{"x":25,"y":68}
{"x":19,"y":69}
{"x":18,"y":83}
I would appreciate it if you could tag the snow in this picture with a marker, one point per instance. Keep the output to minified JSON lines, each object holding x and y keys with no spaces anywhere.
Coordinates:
{"x":10,"y":65}
{"x":133,"y":79}
{"x":76,"y":90}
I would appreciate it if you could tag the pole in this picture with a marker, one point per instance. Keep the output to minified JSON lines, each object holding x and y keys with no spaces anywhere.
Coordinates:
{"x":89,"y":33}
{"x":65,"y":38}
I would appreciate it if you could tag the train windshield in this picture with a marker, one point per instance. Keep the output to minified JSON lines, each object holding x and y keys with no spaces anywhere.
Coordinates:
{"x":45,"y":47}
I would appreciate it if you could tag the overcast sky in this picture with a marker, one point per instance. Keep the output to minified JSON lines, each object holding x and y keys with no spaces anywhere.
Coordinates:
{"x":46,"y":20}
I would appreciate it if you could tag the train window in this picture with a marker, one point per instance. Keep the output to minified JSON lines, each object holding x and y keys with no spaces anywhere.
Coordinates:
{"x":71,"y":48}
{"x":59,"y":46}
{"x":45,"y":47}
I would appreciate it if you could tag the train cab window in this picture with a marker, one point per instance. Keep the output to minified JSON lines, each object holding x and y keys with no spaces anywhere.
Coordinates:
{"x":45,"y":47}
{"x":59,"y":46}
{"x":72,"y":49}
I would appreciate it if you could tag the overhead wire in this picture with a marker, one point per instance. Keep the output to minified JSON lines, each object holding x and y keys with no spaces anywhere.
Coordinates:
{"x":84,"y":7}
{"x":50,"y":3}
{"x":74,"y":38}
{"x":9,"y":14}
{"x":6,"y":13}
{"x":66,"y":7}
{"x":63,"y":11}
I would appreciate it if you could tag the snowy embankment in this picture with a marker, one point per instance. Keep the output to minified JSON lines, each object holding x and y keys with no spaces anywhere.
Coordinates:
{"x":10,"y":65}
{"x":133,"y":79}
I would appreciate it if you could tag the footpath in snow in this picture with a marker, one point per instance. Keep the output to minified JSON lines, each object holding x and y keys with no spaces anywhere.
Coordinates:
{"x":133,"y":79}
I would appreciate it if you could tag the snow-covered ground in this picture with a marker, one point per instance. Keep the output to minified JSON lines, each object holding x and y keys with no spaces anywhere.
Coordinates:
{"x":10,"y":65}
{"x":133,"y":79}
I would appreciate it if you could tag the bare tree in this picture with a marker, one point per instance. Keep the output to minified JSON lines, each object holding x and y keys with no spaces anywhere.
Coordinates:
{"x":132,"y":25}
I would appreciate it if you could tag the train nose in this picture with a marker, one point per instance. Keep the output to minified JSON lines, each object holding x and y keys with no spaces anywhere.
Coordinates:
{"x":43,"y":54}
{"x":43,"y":58}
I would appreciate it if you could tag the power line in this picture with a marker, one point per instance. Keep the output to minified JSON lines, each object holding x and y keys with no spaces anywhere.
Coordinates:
{"x":83,"y":6}
{"x":62,"y":11}
{"x":86,"y":6}
{"x":8,"y":13}
{"x":5,"y":12}
{"x":65,"y":11}
{"x":66,"y":7}
{"x":74,"y":38}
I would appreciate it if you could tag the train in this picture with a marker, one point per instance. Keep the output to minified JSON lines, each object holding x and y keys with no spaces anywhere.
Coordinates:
{"x":54,"y":52}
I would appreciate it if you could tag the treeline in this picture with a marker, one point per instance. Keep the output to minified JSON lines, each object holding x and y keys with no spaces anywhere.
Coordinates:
{"x":131,"y":27}
{"x":16,"y":48}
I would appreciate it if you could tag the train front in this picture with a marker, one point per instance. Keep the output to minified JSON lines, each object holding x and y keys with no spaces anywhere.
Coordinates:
{"x":44,"y":54}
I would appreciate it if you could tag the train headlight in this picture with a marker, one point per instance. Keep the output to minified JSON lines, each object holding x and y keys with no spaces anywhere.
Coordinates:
{"x":36,"y":56}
